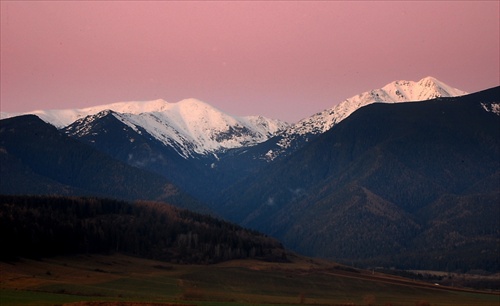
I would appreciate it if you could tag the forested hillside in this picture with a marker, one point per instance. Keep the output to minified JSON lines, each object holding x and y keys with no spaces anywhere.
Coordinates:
{"x":42,"y":226}
{"x":410,"y":185}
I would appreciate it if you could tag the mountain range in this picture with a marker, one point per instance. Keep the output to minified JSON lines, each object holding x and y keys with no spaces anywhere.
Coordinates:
{"x":190,"y":126}
{"x":409,"y":184}
{"x":395,"y":92}
{"x":204,"y":150}
{"x":373,"y":180}
{"x":193,"y":127}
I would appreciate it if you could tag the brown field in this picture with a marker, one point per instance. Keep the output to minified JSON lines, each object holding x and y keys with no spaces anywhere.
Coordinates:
{"x":122,"y":280}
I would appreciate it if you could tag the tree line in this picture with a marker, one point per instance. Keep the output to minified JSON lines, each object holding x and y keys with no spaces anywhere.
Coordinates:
{"x":44,"y":226}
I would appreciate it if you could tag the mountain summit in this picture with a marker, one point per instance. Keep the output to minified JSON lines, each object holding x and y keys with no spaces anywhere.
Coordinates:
{"x":190,"y":126}
{"x":395,"y":92}
{"x":193,"y":127}
{"x":413,"y":185}
{"x":192,"y":141}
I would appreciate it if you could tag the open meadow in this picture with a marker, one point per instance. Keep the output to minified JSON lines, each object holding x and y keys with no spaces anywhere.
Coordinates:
{"x":123,"y":280}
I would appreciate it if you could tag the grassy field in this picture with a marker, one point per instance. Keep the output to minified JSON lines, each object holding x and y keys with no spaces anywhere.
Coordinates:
{"x":122,"y":280}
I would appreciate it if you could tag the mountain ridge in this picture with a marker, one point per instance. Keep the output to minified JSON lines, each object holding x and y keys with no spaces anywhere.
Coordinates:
{"x":195,"y":128}
{"x":36,"y":158}
{"x":387,"y":176}
{"x":192,"y":126}
{"x":219,"y":149}
{"x":395,"y":92}
{"x":382,"y":183}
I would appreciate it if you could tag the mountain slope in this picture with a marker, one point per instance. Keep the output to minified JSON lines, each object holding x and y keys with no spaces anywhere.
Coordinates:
{"x":38,"y":159}
{"x":219,"y":149}
{"x":190,"y":126}
{"x":395,"y":92}
{"x":202,"y":149}
{"x":249,"y":159}
{"x":107,"y":132}
{"x":180,"y":141}
{"x":194,"y":128}
{"x":384,"y":169}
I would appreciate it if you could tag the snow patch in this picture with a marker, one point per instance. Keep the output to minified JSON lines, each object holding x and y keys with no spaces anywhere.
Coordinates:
{"x":492,"y":107}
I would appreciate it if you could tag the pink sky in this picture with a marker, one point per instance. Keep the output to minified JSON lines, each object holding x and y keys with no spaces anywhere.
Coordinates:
{"x":285,"y":60}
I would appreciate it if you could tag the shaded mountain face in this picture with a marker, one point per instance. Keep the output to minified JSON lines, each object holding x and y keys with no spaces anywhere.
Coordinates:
{"x":203,"y":150}
{"x":388,"y":181}
{"x":294,"y":137}
{"x":108,"y":133}
{"x":190,"y":127}
{"x":38,"y":159}
{"x":136,"y":147}
{"x":376,"y":183}
{"x":180,"y":141}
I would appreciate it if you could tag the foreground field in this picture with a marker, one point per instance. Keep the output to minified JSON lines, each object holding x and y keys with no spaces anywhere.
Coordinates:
{"x":123,"y":280}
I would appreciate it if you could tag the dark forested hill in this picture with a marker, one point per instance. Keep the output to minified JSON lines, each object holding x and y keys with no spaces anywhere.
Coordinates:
{"x":43,"y":226}
{"x":36,"y":158}
{"x":419,"y":179}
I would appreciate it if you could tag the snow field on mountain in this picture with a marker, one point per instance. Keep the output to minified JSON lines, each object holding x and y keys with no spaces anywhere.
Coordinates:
{"x":190,"y":126}
{"x":395,"y":92}
{"x":195,"y":127}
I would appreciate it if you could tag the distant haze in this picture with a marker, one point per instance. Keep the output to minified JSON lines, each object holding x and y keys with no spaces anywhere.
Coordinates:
{"x":284,"y":60}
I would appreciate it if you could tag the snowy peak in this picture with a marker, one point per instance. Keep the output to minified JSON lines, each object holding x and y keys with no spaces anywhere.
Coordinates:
{"x":82,"y":126}
{"x":133,"y":107}
{"x":189,"y":126}
{"x":192,"y":126}
{"x":63,"y":117}
{"x":425,"y":89}
{"x":395,"y":92}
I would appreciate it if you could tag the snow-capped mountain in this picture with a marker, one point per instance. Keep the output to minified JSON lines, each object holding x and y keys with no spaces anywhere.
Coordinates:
{"x":64,"y":117}
{"x":190,"y":126}
{"x":194,"y":127}
{"x":395,"y":92}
